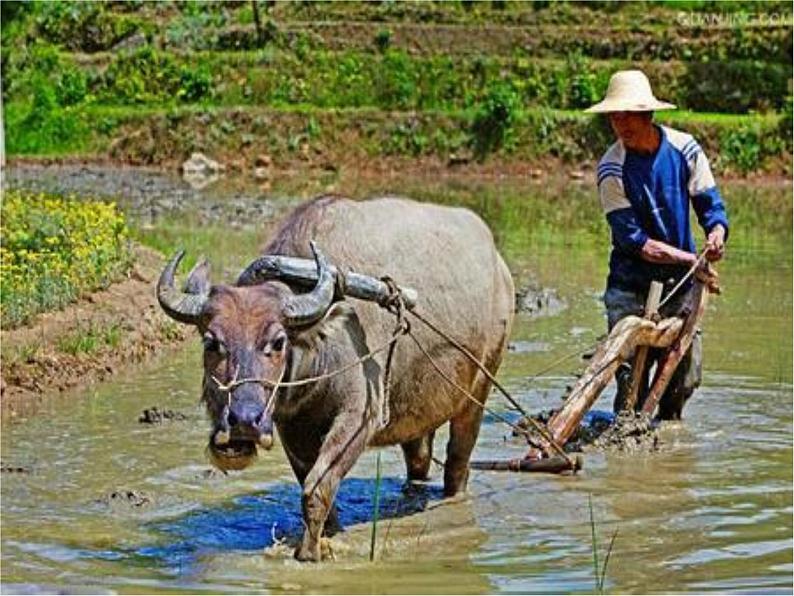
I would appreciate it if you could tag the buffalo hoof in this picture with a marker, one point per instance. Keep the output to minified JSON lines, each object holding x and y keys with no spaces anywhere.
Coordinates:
{"x":320,"y":551}
{"x":308,"y":552}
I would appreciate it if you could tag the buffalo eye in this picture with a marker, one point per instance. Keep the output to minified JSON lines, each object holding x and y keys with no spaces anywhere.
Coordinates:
{"x":213,"y":344}
{"x":278,"y":343}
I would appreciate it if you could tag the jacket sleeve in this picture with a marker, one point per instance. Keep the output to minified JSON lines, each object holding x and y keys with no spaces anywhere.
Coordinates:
{"x":706,"y":199}
{"x":627,"y":234}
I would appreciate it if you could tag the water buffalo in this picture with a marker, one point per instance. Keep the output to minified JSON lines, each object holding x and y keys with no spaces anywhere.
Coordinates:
{"x":265,"y":327}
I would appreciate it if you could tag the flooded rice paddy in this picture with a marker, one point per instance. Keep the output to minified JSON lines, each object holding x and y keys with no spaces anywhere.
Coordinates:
{"x":93,"y":500}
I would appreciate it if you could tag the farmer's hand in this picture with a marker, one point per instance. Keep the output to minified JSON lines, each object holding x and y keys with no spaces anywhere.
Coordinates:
{"x":715,"y":243}
{"x":708,"y":275}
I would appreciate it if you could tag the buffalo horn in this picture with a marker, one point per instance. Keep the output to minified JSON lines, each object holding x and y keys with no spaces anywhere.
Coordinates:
{"x":180,"y":306}
{"x":304,"y":309}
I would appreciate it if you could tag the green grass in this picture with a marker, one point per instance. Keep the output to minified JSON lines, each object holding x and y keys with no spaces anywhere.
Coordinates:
{"x":599,"y":572}
{"x":487,"y":100}
{"x":392,"y":80}
{"x":90,"y":339}
{"x":735,"y":142}
{"x":20,"y":354}
{"x":198,"y":238}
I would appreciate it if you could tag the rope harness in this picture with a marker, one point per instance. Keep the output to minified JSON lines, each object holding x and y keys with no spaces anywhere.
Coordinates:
{"x":395,"y":304}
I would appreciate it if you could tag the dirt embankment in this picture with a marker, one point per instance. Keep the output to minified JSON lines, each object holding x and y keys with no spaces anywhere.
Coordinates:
{"x":87,"y":341}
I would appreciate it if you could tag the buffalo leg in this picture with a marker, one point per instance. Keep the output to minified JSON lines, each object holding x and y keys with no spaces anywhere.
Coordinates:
{"x":463,"y":431}
{"x":418,"y":456}
{"x":343,"y":445}
{"x":302,"y":447}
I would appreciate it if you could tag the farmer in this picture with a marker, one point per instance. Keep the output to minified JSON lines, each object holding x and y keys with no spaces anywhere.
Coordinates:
{"x":646,"y":182}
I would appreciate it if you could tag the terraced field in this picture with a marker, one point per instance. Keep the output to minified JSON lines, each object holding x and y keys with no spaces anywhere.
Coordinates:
{"x":335,"y":83}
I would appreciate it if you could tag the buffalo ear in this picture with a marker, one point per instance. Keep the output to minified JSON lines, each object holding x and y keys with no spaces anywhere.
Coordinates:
{"x":198,"y":281}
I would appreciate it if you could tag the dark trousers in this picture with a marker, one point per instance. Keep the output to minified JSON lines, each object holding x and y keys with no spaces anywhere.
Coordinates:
{"x":688,"y":375}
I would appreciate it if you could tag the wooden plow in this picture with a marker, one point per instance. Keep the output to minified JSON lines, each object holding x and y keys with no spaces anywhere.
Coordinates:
{"x":629,"y":336}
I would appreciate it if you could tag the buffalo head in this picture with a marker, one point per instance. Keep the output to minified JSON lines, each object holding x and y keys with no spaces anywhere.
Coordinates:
{"x":246,"y":332}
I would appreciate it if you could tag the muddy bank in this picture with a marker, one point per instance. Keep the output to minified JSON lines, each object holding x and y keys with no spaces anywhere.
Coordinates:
{"x":88,"y":341}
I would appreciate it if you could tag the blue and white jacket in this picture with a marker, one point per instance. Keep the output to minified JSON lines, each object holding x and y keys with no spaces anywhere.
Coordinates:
{"x":648,"y":196}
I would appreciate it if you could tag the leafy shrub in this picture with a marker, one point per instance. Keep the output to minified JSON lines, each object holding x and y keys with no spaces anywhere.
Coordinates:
{"x":383,"y":39}
{"x":53,"y":250}
{"x":787,"y":120}
{"x":406,"y":138}
{"x":396,"y":87}
{"x":83,"y":26}
{"x":138,"y":77}
{"x":72,"y":86}
{"x":194,"y":83}
{"x":44,"y":129}
{"x":45,"y":101}
{"x":45,"y":125}
{"x":734,"y":86}
{"x":583,"y":91}
{"x":494,"y":119}
{"x":741,"y":147}
{"x":196,"y":29}
{"x":148,"y":75}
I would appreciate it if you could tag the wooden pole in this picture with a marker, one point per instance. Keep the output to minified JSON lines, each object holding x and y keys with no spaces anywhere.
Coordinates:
{"x":651,"y":308}
{"x":555,"y":464}
{"x":671,"y":359}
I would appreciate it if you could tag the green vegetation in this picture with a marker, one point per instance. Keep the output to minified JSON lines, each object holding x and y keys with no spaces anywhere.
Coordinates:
{"x":375,"y":511}
{"x":525,"y":135}
{"x":90,"y":339}
{"x":599,"y":573}
{"x":493,"y":121}
{"x":390,"y":80}
{"x":53,"y":250}
{"x":532,"y":218}
{"x":197,"y":238}
{"x":443,"y":79}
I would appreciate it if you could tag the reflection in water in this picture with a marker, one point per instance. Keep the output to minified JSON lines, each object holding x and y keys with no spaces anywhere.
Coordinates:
{"x":258,"y":521}
{"x":711,"y":511}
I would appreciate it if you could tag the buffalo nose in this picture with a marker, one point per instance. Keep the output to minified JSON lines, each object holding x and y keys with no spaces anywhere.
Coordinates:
{"x":246,"y":413}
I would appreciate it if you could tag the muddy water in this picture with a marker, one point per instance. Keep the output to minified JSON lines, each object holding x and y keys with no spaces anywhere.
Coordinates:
{"x":97,"y":501}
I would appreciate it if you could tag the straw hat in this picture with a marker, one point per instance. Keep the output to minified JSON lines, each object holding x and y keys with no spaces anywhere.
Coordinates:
{"x":629,"y":91}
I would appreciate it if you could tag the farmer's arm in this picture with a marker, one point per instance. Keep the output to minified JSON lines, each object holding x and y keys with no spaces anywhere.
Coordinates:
{"x":708,"y":205}
{"x":656,"y":251}
{"x":627,"y":232}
